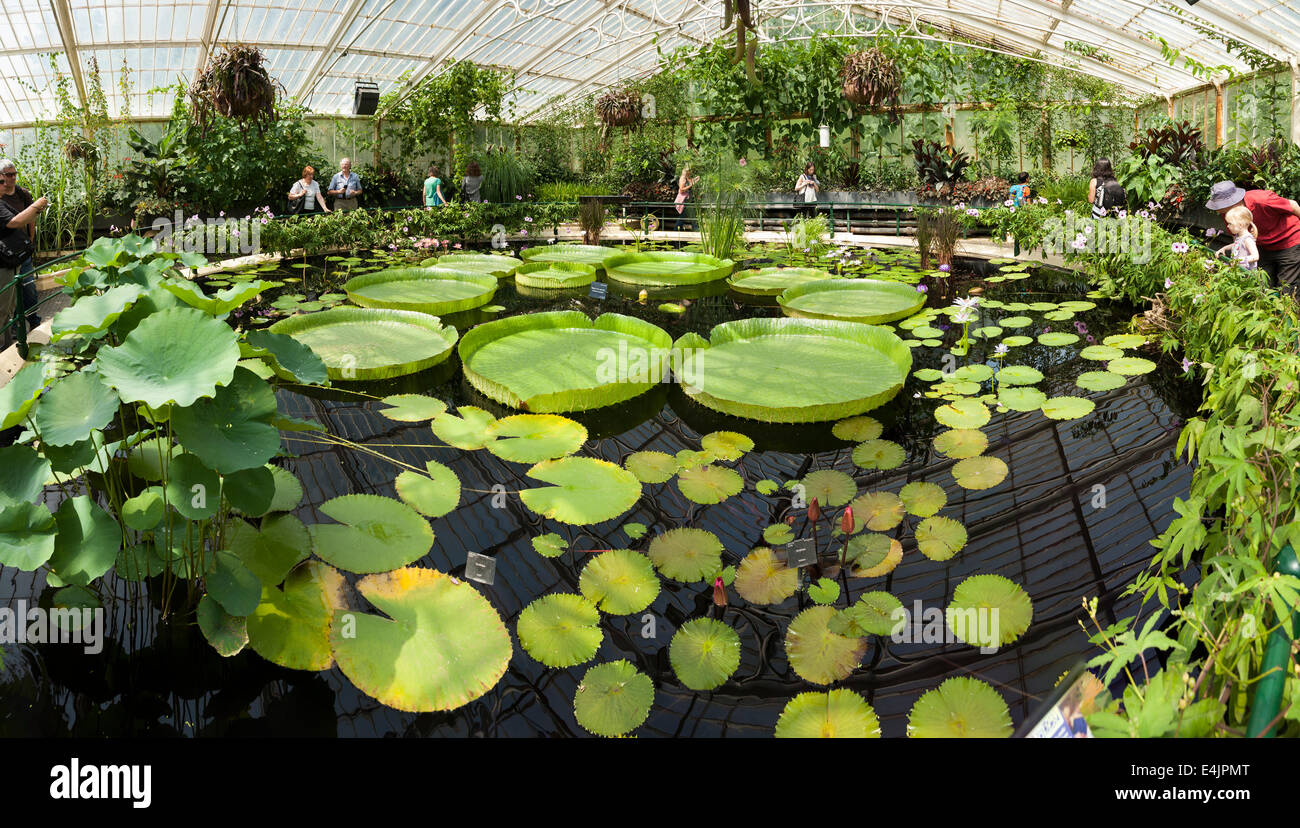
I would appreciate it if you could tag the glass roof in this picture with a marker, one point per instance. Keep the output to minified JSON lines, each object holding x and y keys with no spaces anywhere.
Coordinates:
{"x":318,"y":49}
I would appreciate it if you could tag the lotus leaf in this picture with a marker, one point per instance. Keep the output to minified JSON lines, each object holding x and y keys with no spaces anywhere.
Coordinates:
{"x":232,"y":430}
{"x":227,"y":633}
{"x":73,"y":408}
{"x":23,"y":473}
{"x":19,"y":394}
{"x":250,"y":491}
{"x":291,"y":626}
{"x":176,"y":356}
{"x":94,"y":313}
{"x":287,"y":357}
{"x":270,"y":552}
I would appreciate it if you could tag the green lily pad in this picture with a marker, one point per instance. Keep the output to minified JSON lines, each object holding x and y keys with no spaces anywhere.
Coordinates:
{"x":371,"y":343}
{"x":432,"y":496}
{"x":532,"y":438}
{"x":250,"y":491}
{"x":288,"y":491}
{"x":613,"y":699}
{"x":831,"y":488}
{"x":825,"y":591}
{"x":686,"y":554}
{"x":766,"y":487}
{"x":584,"y":490}
{"x":961,"y":708}
{"x":815,"y":653}
{"x":1015,"y":322}
{"x":960,"y":443}
{"x":1101,"y":353}
{"x":1125,"y":341}
{"x":1021,"y":399}
{"x":176,"y":356}
{"x":878,"y":454}
{"x":291,"y":626}
{"x":635,"y":531}
{"x":1019,"y":375}
{"x":982,"y":472}
{"x":763,"y":578}
{"x":853,"y":300}
{"x":619,"y":582}
{"x":927,"y":375}
{"x":857,"y":429}
{"x":836,"y":714}
{"x":550,"y":545}
{"x":560,"y":630}
{"x":778,"y":534}
{"x":651,"y":466}
{"x":940,"y":538}
{"x":871,"y":555}
{"x":726,"y":445}
{"x":1016,"y":341}
{"x":923,"y":499}
{"x":1099,"y":381}
{"x":1057,"y":339}
{"x":1068,"y":408}
{"x":709,"y":484}
{"x":1130,"y":366}
{"x":373,"y":534}
{"x":962,"y":414}
{"x":704,"y":653}
{"x":412,"y":408}
{"x":441,"y":646}
{"x":878,"y":511}
{"x":1059,"y":315}
{"x":468,"y":432}
{"x":875,"y":613}
{"x":970,"y":615}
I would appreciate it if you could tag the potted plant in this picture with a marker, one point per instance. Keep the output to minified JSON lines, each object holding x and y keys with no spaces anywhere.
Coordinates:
{"x":235,"y":84}
{"x":872,"y":79}
{"x":619,"y":108}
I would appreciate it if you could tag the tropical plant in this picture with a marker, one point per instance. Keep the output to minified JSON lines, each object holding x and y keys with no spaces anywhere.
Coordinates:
{"x":1146,"y":179}
{"x":619,"y":107}
{"x":1177,"y":144}
{"x":872,"y":80}
{"x":506,"y":177}
{"x":162,"y":169}
{"x":592,"y":215}
{"x":939,"y":166}
{"x":236,"y":85}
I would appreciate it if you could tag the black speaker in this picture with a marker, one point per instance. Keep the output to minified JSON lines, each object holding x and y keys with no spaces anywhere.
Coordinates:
{"x":366,"y":100}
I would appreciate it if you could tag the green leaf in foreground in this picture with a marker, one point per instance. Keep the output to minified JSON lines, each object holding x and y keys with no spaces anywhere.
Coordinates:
{"x":963,"y":708}
{"x":584,"y":490}
{"x":176,"y":356}
{"x":560,"y":630}
{"x":704,"y":653}
{"x":835,"y":714}
{"x":613,"y":699}
{"x":373,"y":534}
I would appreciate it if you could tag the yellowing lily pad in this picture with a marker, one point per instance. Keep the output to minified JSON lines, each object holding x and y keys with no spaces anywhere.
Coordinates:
{"x":1125,"y":341}
{"x":726,"y":445}
{"x":878,"y":454}
{"x":878,"y":511}
{"x":857,"y":429}
{"x":763,"y":578}
{"x":1068,"y":408}
{"x":962,"y":414}
{"x":619,"y":581}
{"x":709,"y":484}
{"x":871,"y":555}
{"x":982,"y":472}
{"x":532,"y":438}
{"x":818,"y":655}
{"x":960,"y":443}
{"x":835,"y":714}
{"x":940,"y":538}
{"x":686,"y":554}
{"x":652,"y":466}
{"x":613,"y":699}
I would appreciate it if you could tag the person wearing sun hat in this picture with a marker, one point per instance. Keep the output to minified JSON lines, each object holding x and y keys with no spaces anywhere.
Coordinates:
{"x":1278,"y":220}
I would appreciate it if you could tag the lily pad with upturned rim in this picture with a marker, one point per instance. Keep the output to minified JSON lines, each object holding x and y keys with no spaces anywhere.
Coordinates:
{"x":547,"y":276}
{"x":371,"y":343}
{"x":771,"y":281}
{"x":868,"y":301}
{"x":434,"y":290}
{"x":666,"y":268}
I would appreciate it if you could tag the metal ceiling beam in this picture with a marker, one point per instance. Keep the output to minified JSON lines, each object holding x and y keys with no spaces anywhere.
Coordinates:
{"x":209,"y":33}
{"x":1260,"y":37}
{"x":63,"y":19}
{"x":312,"y":77}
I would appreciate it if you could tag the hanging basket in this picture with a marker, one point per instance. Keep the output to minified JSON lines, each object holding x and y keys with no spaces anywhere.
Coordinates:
{"x":872,"y":79}
{"x":80,"y":149}
{"x":619,"y":108}
{"x":235,"y":84}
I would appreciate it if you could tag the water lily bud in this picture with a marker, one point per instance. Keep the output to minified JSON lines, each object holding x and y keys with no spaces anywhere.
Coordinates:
{"x":814,"y":510}
{"x":846,"y":520}
{"x":719,"y":593}
{"x":642,"y":296}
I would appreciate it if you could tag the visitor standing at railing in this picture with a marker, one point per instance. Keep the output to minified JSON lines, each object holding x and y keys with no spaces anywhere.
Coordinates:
{"x":345,"y":186}
{"x":18,"y":199}
{"x":433,"y":189}
{"x":1278,"y":220}
{"x":685,"y":182}
{"x":806,"y":190}
{"x":471,"y":186}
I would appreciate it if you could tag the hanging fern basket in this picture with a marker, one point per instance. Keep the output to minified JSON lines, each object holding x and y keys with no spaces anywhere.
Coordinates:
{"x":872,"y":80}
{"x":235,"y":84}
{"x":619,"y":108}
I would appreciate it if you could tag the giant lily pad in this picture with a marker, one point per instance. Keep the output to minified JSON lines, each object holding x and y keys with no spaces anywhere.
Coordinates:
{"x":562,"y":361}
{"x":441,"y":647}
{"x":835,"y":714}
{"x":961,"y":708}
{"x":371,"y":343}
{"x":373,"y":534}
{"x":619,"y":581}
{"x":704,"y":653}
{"x":818,"y":655}
{"x":686,"y":554}
{"x":771,"y":281}
{"x":591,"y":254}
{"x":762,"y":578}
{"x":554,"y":275}
{"x":613,"y":699}
{"x":497,"y":265}
{"x":176,"y":356}
{"x":666,"y":268}
{"x":435,"y":290}
{"x":989,"y":611}
{"x":851,"y":300}
{"x":793,"y":370}
{"x":272,"y":550}
{"x":560,"y":630}
{"x":584,"y":490}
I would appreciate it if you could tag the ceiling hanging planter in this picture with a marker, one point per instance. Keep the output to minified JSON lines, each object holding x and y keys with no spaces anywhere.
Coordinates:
{"x":619,"y":108}
{"x":872,"y":80}
{"x":234,"y":84}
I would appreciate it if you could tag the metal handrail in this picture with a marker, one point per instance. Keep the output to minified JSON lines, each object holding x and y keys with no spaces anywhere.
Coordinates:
{"x":19,"y":319}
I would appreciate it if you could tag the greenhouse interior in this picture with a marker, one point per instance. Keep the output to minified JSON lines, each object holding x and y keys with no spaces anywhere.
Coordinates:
{"x":650,"y":368}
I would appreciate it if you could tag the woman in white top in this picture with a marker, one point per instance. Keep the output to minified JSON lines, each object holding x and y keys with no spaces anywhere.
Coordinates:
{"x":806,"y":190}
{"x":307,"y":189}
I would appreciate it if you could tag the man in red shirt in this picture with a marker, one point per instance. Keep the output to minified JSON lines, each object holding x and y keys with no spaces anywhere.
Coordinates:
{"x":1278,"y":220}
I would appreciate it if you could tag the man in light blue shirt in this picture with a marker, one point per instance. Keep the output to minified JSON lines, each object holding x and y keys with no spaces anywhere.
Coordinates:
{"x":345,"y":186}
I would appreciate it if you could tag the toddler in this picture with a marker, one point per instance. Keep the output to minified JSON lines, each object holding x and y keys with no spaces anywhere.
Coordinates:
{"x":1242,"y":226}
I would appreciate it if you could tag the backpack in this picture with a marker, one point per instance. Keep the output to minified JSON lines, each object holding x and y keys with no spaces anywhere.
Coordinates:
{"x":1111,"y":194}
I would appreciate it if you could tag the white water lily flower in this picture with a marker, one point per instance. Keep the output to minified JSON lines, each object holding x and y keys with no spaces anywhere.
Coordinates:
{"x":969,"y":302}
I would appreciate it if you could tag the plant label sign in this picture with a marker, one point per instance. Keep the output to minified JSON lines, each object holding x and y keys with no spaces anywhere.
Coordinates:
{"x":800,"y":553}
{"x":599,"y":290}
{"x":481,"y":568}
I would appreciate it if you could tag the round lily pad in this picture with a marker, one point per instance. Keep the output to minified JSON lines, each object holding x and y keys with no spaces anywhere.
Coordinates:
{"x":960,"y":443}
{"x":686,"y":554}
{"x":412,"y":408}
{"x":1124,"y":340}
{"x":619,"y":582}
{"x":550,"y":545}
{"x":1057,"y":339}
{"x":560,"y":630}
{"x":762,"y":578}
{"x":613,"y":699}
{"x":962,"y":708}
{"x":875,"y":613}
{"x":651,"y":466}
{"x":1101,"y":353}
{"x":371,"y":343}
{"x":982,"y":472}
{"x":433,"y":290}
{"x":923,"y":499}
{"x":852,"y":300}
{"x":532,"y":438}
{"x":1130,"y":366}
{"x":704,"y":653}
{"x":871,"y":555}
{"x":1068,"y":408}
{"x":709,"y":484}
{"x":1099,"y":381}
{"x":878,"y":511}
{"x":434,"y":495}
{"x":778,"y":534}
{"x":962,"y":413}
{"x":726,"y":445}
{"x":878,"y":454}
{"x":584,"y":490}
{"x":771,"y":281}
{"x":1019,"y":375}
{"x":1021,"y":399}
{"x":468,"y":431}
{"x":818,"y":655}
{"x":1015,"y":322}
{"x":835,"y":714}
{"x":441,"y":646}
{"x":972,"y":617}
{"x":831,"y":488}
{"x":940,"y":538}
{"x":1016,"y":341}
{"x":857,"y":429}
